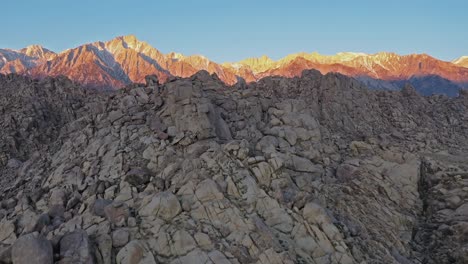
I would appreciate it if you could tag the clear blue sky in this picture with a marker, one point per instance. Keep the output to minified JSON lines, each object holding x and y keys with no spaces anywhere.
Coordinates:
{"x":233,"y":30}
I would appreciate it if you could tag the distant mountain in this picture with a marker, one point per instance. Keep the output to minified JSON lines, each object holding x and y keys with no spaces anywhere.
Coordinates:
{"x":86,"y":64}
{"x":38,"y":52}
{"x":384,"y":66}
{"x":125,"y":59}
{"x":19,"y":61}
{"x":121,"y":61}
{"x":462,"y":61}
{"x":431,"y":84}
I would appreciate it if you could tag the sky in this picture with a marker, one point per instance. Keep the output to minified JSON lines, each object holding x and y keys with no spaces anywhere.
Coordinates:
{"x":234,"y":30}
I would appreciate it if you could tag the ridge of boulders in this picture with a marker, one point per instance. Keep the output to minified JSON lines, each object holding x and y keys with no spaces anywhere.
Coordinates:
{"x":313,"y":169}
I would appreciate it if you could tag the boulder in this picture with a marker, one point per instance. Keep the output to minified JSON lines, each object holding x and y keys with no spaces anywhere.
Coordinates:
{"x":138,"y":176}
{"x":5,"y":254}
{"x":99,"y":206}
{"x":164,"y":205}
{"x":7,"y":231}
{"x":120,"y":237}
{"x":32,"y":249}
{"x":76,"y":248}
{"x":117,"y":213}
{"x":135,"y":252}
{"x":152,"y":81}
{"x":182,"y":243}
{"x":303,"y":165}
{"x":263,"y":172}
{"x":208,"y":190}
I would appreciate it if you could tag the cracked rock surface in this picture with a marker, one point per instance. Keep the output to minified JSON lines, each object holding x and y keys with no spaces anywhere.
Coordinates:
{"x":316,"y":169}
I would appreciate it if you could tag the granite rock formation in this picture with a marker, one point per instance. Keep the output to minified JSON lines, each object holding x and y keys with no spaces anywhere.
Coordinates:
{"x":312,"y":169}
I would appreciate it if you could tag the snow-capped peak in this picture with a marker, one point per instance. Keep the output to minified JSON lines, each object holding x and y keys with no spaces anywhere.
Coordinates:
{"x":460,"y":60}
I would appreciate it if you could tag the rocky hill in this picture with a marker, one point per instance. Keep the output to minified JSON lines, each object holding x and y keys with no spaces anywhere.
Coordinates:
{"x":312,"y":169}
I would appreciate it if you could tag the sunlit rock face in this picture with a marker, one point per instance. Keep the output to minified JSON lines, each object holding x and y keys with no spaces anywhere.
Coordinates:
{"x":123,"y":60}
{"x":462,"y":61}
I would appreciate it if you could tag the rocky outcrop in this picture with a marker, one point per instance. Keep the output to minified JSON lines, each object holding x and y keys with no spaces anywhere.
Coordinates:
{"x":442,"y":228}
{"x":316,"y":169}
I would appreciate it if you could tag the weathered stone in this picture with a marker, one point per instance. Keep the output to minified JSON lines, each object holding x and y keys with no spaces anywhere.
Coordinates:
{"x":120,"y":237}
{"x":58,"y":197}
{"x":183,"y":243}
{"x":152,"y":80}
{"x":208,"y":190}
{"x":203,"y":241}
{"x":462,"y":211}
{"x":304,"y":165}
{"x":5,"y":254}
{"x":9,"y":204}
{"x":103,"y":252}
{"x":76,"y":247}
{"x":7,"y":231}
{"x":267,"y":144}
{"x":135,"y":252}
{"x":359,"y":147}
{"x":115,"y":115}
{"x":262,"y":172}
{"x":218,"y":257}
{"x":315,"y":214}
{"x":138,"y":176}
{"x":164,"y":205}
{"x":32,"y":248}
{"x":117,"y":213}
{"x":14,"y":163}
{"x":56,"y":211}
{"x":27,"y":222}
{"x":346,"y":172}
{"x":195,"y":257}
{"x":73,"y":201}
{"x":239,"y":176}
{"x":271,"y":257}
{"x":99,"y":206}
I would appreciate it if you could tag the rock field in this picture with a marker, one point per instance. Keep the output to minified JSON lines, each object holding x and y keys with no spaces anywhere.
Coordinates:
{"x":316,"y":169}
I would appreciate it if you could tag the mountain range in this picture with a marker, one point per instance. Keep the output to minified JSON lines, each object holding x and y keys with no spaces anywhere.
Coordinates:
{"x":124,"y":60}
